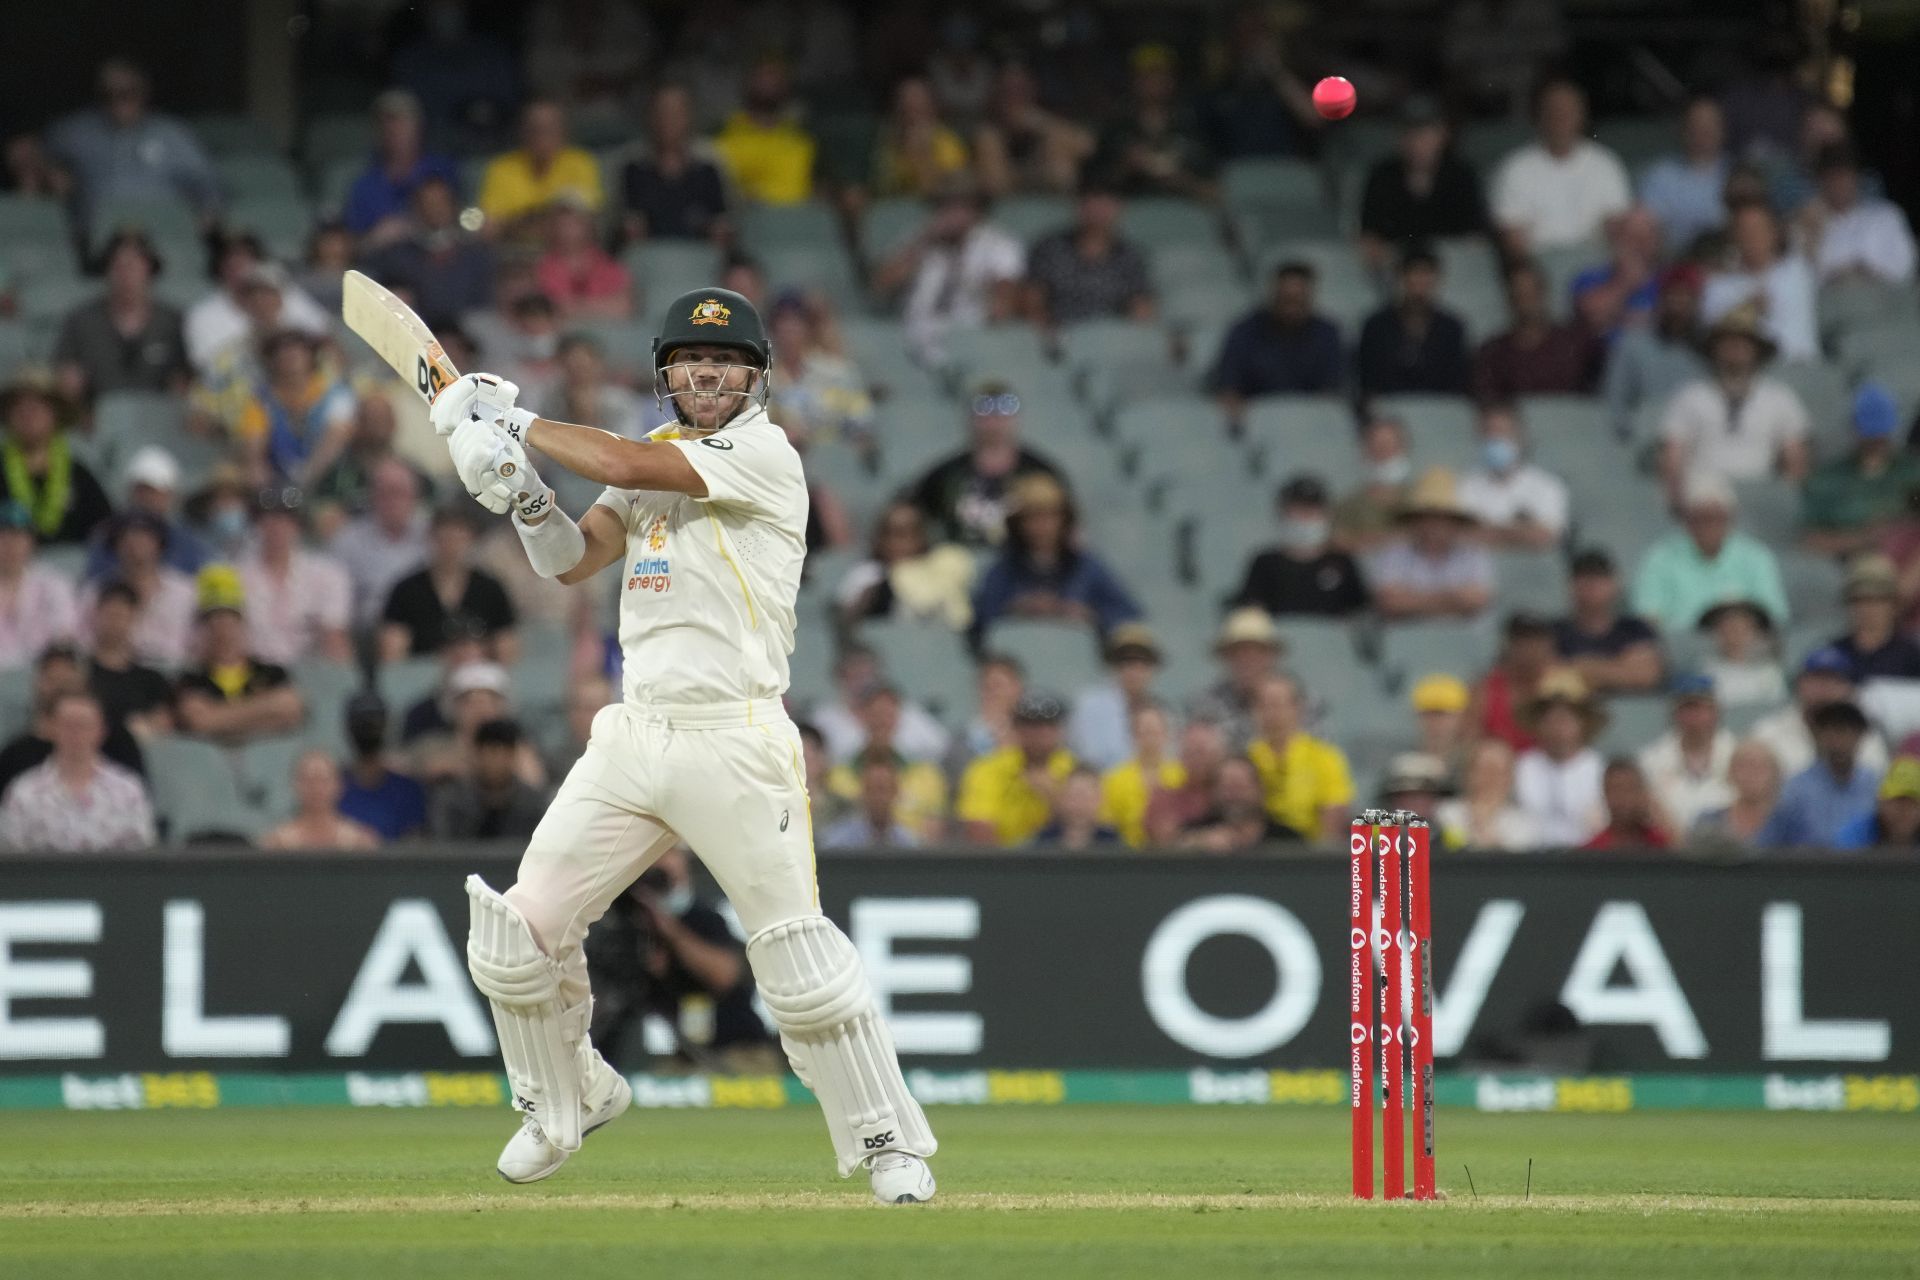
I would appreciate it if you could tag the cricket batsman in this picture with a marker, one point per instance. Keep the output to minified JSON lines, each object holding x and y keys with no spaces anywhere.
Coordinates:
{"x":708,"y":517}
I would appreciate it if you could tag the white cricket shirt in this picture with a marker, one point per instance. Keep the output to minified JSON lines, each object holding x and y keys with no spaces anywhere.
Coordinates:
{"x":707,"y":590}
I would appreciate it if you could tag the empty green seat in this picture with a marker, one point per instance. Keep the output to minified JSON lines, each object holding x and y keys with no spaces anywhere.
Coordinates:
{"x":664,"y":269}
{"x":1029,"y":218}
{"x":1164,"y":220}
{"x":1059,"y":657}
{"x":249,"y":176}
{"x":765,"y":227}
{"x":1459,"y":648}
{"x":1439,"y":427}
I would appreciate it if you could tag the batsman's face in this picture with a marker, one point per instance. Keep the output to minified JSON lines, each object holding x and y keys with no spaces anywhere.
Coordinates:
{"x":709,"y":384}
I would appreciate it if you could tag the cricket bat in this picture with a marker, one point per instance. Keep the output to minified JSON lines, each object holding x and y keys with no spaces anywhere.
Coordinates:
{"x":402,"y":338}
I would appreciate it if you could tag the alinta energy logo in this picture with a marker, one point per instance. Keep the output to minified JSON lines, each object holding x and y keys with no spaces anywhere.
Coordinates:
{"x":650,"y":573}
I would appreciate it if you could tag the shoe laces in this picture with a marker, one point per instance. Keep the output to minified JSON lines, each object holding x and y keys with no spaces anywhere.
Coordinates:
{"x":888,"y":1161}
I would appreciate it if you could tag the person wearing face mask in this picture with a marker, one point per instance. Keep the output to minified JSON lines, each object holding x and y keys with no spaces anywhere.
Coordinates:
{"x":219,"y":515}
{"x":1521,"y":506}
{"x":661,"y":950}
{"x":150,"y":479}
{"x":1364,"y":519}
{"x":375,"y":794}
{"x":1304,"y":573}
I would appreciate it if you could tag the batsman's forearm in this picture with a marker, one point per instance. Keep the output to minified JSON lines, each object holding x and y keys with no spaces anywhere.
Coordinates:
{"x":614,"y":460}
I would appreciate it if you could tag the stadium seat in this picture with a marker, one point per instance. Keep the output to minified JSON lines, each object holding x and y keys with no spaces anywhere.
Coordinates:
{"x":1028,"y":218}
{"x":1059,"y":657}
{"x":283,"y":222}
{"x":404,"y":683}
{"x":1485,"y":143}
{"x":879,"y":348}
{"x":664,"y":269}
{"x":1639,"y":140}
{"x":1184,"y":266}
{"x":227,"y":136}
{"x":1823,"y":389}
{"x":1345,"y":290}
{"x":1459,"y":648}
{"x":914,"y":433}
{"x":264,"y":768}
{"x":170,"y":220}
{"x":1863,"y":347}
{"x":926,"y":659}
{"x":1117,"y":359}
{"x":1633,"y":721}
{"x":125,"y":420}
{"x":1174,"y":416}
{"x":1165,"y":220}
{"x":16,"y":700}
{"x":1531,"y":582}
{"x":1013,"y":353}
{"x":1770,"y":511}
{"x":845,"y":144}
{"x":1561,"y":266}
{"x":327,"y":686}
{"x":195,"y":790}
{"x":1439,"y":427}
{"x":338,"y":136}
{"x":888,"y":224}
{"x":48,"y":301}
{"x":812,"y":225}
{"x":1631,"y":520}
{"x":1856,"y":304}
{"x":1274,"y":199}
{"x":247,"y":177}
{"x":1314,"y":435}
{"x":824,"y":269}
{"x":31,"y":218}
{"x":1813,"y":585}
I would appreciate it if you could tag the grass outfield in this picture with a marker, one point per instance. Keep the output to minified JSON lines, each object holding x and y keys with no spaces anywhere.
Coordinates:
{"x":1075,"y":1191}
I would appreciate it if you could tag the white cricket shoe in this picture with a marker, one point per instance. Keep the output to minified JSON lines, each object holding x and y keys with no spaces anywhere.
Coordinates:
{"x":899,"y":1178}
{"x":529,"y":1157}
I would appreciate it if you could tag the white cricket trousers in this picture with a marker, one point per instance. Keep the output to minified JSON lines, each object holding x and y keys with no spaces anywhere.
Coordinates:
{"x":725,"y":778}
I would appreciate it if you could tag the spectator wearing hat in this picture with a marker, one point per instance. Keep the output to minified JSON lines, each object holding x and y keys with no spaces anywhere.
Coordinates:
{"x":223,"y":322}
{"x":317,"y":822}
{"x":1305,"y":780}
{"x":447,"y":597}
{"x":1413,"y":344}
{"x":673,"y":191}
{"x":1851,"y":503}
{"x":1648,"y":363}
{"x":299,"y":602}
{"x":150,"y":480}
{"x":1237,"y":817}
{"x":1527,"y":656}
{"x":906,"y":576}
{"x":1558,"y":191}
{"x":1090,"y":270}
{"x":38,"y":468}
{"x":125,"y":150}
{"x":1765,"y":274}
{"x":1416,"y":783}
{"x":445,"y":269}
{"x":1688,"y":763}
{"x":1173,"y":806}
{"x":233,"y":697}
{"x":1622,"y":292}
{"x":920,"y":785}
{"x":377,"y":202}
{"x":1683,"y":190}
{"x":1079,"y":824}
{"x":1743,"y":660}
{"x":1707,"y":561}
{"x":519,"y":184}
{"x":76,"y":800}
{"x":1363,"y":520}
{"x":1614,"y":652}
{"x":1443,"y":728}
{"x":1007,"y":796}
{"x":1484,"y":817}
{"x":1282,"y":348}
{"x":1852,"y":235}
{"x":964,"y":496}
{"x":1043,"y":572}
{"x":870,"y":822}
{"x":1737,"y":423}
{"x":1248,"y":649}
{"x":1835,"y":793}
{"x":373,"y":793}
{"x":916,"y":151}
{"x":767,"y":150}
{"x":58,"y":671}
{"x":1536,"y":354}
{"x":1634,"y":824}
{"x":1099,"y":731}
{"x":133,"y":695}
{"x":1424,"y":191}
{"x":387,"y":543}
{"x":1753,"y":782}
{"x":1558,"y":782}
{"x":490,"y":801}
{"x":1157,"y":146}
{"x":37,"y":606}
{"x":1826,"y":677}
{"x":1873,"y":642}
{"x":1435,"y":569}
{"x":1304,"y":573}
{"x":1521,"y":506}
{"x":1895,"y":820}
{"x":163,"y":629}
{"x":1128,"y":790}
{"x":297,"y":423}
{"x":584,"y":281}
{"x":958,"y":272}
{"x":126,"y":339}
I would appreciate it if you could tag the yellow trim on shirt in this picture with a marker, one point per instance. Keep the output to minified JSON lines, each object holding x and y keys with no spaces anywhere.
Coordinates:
{"x":720,"y":545}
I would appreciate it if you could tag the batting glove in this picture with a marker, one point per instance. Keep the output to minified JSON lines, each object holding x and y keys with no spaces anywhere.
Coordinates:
{"x":475,"y":395}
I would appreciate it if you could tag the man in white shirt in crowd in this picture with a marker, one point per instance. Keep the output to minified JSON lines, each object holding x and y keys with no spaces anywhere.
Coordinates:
{"x":1769,"y":273}
{"x":959,"y":272}
{"x":1558,"y":783}
{"x":1736,"y":423}
{"x":1826,"y":677}
{"x":857,"y":670}
{"x":1687,"y":765}
{"x":221,"y":319}
{"x":1558,"y":191}
{"x":1853,"y":235}
{"x":1521,"y":506}
{"x":299,"y":602}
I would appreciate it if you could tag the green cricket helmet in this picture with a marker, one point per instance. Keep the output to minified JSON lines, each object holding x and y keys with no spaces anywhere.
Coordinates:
{"x":712,"y":318}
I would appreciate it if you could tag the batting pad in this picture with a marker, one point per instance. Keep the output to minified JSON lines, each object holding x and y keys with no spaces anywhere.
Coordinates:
{"x":539,"y":1038}
{"x":811,"y":979}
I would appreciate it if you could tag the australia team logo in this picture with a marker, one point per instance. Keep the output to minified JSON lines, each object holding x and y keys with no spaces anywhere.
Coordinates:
{"x":657,"y":534}
{"x":712,"y":311}
{"x":652,"y":572}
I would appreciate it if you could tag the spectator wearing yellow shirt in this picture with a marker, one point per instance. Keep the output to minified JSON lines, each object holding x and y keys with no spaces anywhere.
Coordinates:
{"x":920,"y":804}
{"x":523,"y":182}
{"x":1305,"y":780}
{"x":1127,"y":789}
{"x":767,"y":152}
{"x":916,"y":151}
{"x":1007,"y":796}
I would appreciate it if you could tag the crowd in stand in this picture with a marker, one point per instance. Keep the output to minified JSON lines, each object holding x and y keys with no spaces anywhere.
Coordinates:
{"x":201,"y":582}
